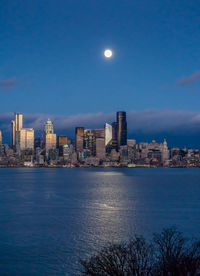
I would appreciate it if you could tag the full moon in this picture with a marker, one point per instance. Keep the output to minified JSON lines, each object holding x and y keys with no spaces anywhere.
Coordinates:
{"x":108,"y":53}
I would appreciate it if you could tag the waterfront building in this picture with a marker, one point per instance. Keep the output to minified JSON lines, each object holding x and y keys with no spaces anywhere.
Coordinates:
{"x":79,"y":138}
{"x":0,"y":138}
{"x":49,"y":129}
{"x":114,"y":155}
{"x":121,"y":128}
{"x":123,"y":154}
{"x":26,"y":139}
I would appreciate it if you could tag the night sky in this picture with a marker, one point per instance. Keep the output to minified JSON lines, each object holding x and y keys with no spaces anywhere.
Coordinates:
{"x":52,"y":65}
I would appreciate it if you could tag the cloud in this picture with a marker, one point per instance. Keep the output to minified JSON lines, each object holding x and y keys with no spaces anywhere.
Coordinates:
{"x":9,"y":83}
{"x":190,"y":79}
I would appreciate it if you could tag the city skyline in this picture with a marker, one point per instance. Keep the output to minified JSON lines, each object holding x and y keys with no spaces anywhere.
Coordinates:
{"x":99,"y":147}
{"x":181,"y":129}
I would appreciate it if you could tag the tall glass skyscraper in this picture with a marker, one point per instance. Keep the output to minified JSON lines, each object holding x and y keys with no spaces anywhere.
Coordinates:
{"x":121,"y":128}
{"x":108,"y":134}
{"x":18,"y":127}
{"x":79,"y":139}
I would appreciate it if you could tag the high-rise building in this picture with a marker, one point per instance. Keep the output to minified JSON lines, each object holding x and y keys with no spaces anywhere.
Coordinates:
{"x":18,"y":121}
{"x":0,"y":138}
{"x":114,"y":136}
{"x":26,"y":139}
{"x":49,"y":127}
{"x":50,"y":142}
{"x":89,"y":142}
{"x":13,"y":134}
{"x":79,"y":139}
{"x":100,"y":148}
{"x":18,"y":127}
{"x":121,"y":128}
{"x":108,"y":134}
{"x":62,"y":140}
{"x":99,"y":132}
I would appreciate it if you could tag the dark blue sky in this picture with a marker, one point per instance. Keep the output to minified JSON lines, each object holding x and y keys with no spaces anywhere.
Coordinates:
{"x":52,"y":56}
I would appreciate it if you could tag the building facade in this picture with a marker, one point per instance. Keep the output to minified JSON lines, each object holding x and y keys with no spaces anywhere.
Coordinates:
{"x":18,"y":126}
{"x":121,"y":128}
{"x":50,"y":142}
{"x":27,"y":139}
{"x":108,"y":134}
{"x":79,"y":139}
{"x":13,"y":134}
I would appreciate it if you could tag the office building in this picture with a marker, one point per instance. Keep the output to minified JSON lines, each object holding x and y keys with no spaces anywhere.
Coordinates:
{"x":62,"y":140}
{"x":79,"y":138}
{"x":121,"y":128}
{"x":26,"y":139}
{"x":50,"y":142}
{"x":89,"y":142}
{"x":99,"y":132}
{"x":114,"y":136}
{"x":100,"y":148}
{"x":18,"y":126}
{"x":13,"y":134}
{"x":108,"y":134}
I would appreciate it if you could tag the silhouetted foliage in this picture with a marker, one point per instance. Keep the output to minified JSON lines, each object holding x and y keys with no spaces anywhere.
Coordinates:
{"x":169,"y":254}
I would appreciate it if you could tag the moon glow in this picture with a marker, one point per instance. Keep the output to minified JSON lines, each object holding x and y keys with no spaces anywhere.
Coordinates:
{"x":108,"y":53}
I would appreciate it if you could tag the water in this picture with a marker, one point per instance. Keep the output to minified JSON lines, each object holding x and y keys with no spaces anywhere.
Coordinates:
{"x":50,"y":218}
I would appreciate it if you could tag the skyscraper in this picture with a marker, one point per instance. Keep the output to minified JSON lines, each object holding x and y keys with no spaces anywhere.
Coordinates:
{"x":100,"y":148}
{"x":108,"y":134}
{"x":62,"y":140}
{"x":79,"y":139}
{"x":121,"y":128}
{"x":50,"y":142}
{"x":13,"y":134}
{"x":89,"y":141}
{"x":48,"y":127}
{"x":114,"y":135}
{"x":18,"y":121}
{"x":18,"y":127}
{"x":27,"y":139}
